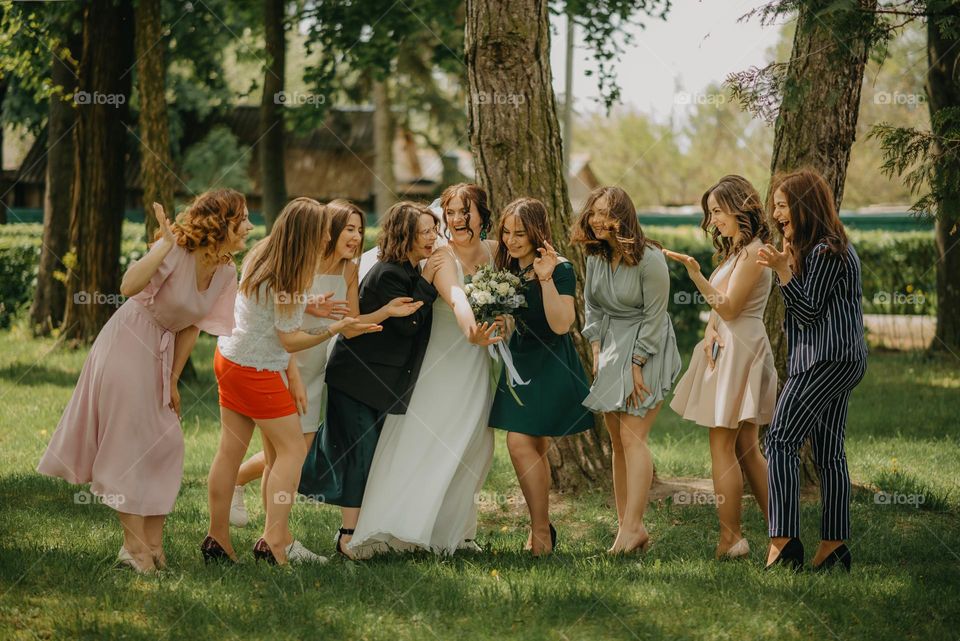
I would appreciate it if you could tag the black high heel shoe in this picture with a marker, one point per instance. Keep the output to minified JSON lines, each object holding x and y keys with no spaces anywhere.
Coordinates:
{"x":340,"y":533}
{"x":553,"y":537}
{"x":840,"y":555}
{"x":262,"y":552}
{"x":790,"y":555}
{"x":214,"y":552}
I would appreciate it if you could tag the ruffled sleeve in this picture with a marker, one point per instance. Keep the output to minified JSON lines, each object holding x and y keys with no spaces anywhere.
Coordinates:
{"x":220,"y":320}
{"x":171,"y":261}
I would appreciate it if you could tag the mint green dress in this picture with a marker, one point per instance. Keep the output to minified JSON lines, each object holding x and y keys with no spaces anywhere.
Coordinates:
{"x":626,"y":311}
{"x":552,"y":399}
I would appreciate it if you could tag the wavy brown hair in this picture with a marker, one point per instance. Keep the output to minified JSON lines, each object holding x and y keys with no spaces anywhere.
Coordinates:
{"x":738,"y":197}
{"x":533,"y":216}
{"x":286,"y":260}
{"x":630,"y":239}
{"x":398,"y":232}
{"x":813,"y":215}
{"x":339,"y":211}
{"x":468,"y":193}
{"x":207,"y":222}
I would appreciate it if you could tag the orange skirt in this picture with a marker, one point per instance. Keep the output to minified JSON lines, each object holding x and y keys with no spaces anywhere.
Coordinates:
{"x":252,"y":392}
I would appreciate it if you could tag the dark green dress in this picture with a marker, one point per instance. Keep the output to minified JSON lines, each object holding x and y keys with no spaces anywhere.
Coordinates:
{"x":552,"y":400}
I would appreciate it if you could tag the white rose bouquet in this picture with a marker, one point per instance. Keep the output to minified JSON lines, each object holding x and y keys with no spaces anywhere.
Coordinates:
{"x":493,"y":293}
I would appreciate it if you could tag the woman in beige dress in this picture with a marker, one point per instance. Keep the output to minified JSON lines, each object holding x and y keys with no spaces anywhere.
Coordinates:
{"x":731,"y":384}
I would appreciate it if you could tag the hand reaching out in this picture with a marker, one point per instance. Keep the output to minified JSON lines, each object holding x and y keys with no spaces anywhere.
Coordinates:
{"x":164,"y":224}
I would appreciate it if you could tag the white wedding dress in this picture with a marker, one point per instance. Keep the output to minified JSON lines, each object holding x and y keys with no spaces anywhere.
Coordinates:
{"x":431,"y":462}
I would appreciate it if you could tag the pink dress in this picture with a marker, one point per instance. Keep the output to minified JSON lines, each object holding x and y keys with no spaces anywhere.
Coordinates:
{"x":117,"y":432}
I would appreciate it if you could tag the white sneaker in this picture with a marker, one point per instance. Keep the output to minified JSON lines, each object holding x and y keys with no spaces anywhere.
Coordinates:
{"x":238,"y":511}
{"x":296,"y":553}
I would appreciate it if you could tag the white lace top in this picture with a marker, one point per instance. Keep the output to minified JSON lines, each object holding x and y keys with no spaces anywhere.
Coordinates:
{"x":254,"y":341}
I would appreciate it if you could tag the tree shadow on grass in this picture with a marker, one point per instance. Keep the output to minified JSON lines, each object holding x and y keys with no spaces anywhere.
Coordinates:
{"x":36,"y":374}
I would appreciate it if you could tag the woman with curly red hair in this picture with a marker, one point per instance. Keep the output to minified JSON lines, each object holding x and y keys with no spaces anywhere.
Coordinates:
{"x":120,"y":432}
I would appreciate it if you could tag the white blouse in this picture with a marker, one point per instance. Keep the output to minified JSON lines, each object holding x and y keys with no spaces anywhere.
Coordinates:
{"x":254,"y":341}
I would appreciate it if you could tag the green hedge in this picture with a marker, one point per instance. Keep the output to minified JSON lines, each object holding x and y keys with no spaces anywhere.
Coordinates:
{"x":899,"y":269}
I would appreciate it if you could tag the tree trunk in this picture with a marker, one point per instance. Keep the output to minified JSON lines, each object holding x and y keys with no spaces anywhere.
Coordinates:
{"x":515,"y":137}
{"x":384,"y":181}
{"x":98,"y":185}
{"x":3,"y":186}
{"x":817,"y":122}
{"x":51,"y":296}
{"x":156,"y":173}
{"x":943,"y":91}
{"x":273,"y":183}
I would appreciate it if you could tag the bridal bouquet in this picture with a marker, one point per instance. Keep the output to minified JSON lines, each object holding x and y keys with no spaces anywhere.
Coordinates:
{"x":494,"y":293}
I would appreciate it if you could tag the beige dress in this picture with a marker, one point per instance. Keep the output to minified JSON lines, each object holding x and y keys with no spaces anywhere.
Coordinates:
{"x":743,"y":385}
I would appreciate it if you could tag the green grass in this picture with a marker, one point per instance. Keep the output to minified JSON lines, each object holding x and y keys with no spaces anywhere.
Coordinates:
{"x":58,"y":580}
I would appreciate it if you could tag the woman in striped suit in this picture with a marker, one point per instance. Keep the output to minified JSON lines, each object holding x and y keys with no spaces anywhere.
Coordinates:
{"x":819,"y":276}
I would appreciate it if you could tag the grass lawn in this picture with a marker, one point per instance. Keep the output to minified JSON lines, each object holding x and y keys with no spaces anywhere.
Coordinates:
{"x":58,"y":580}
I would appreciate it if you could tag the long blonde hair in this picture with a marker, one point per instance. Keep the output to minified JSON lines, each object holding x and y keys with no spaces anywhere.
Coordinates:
{"x":287,"y":259}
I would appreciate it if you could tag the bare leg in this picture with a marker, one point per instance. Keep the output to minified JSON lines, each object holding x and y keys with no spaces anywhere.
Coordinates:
{"x":153,"y":530}
{"x":753,"y":465}
{"x":727,"y":485}
{"x":235,"y":433}
{"x":251,"y":469}
{"x":639,"y":476}
{"x":281,"y":480}
{"x":135,"y":541}
{"x":612,"y":419}
{"x":529,"y":456}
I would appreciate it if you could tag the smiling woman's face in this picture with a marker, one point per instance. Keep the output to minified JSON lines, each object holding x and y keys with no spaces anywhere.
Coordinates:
{"x":515,"y":238}
{"x":724,"y":221}
{"x":781,"y":213}
{"x":426,"y":240}
{"x":461,"y":221}
{"x":351,"y":239}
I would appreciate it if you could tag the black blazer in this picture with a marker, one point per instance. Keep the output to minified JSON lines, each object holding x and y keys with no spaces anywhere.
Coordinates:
{"x":824,"y":310}
{"x":380,"y":369}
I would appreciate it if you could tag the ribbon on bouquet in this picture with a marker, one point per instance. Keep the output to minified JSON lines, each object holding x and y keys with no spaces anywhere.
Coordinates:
{"x":500,"y":351}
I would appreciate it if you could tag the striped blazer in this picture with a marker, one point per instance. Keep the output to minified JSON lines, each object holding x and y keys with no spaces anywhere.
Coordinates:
{"x":824,"y":310}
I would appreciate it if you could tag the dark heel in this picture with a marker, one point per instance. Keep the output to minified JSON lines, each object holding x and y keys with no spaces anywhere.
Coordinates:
{"x":791,"y":555}
{"x":214,"y":552}
{"x":839,"y":556}
{"x":553,"y":537}
{"x":261,"y":552}
{"x":340,"y":533}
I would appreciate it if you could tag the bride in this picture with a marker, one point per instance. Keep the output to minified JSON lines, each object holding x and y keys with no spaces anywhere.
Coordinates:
{"x":431,"y":462}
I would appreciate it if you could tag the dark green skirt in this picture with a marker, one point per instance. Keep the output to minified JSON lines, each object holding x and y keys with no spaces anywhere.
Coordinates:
{"x":552,"y":398}
{"x":337,"y":465}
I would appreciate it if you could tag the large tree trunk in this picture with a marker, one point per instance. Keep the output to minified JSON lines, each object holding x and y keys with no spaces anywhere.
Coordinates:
{"x":3,"y":187}
{"x":50,"y":298}
{"x":97,"y":215}
{"x":384,"y":182}
{"x":515,"y":137}
{"x":273,"y":182}
{"x":156,"y":173}
{"x":943,"y":90}
{"x":817,"y":122}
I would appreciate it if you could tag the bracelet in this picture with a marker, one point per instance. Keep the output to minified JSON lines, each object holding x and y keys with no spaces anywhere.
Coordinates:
{"x":545,"y":280}
{"x":639,"y":360}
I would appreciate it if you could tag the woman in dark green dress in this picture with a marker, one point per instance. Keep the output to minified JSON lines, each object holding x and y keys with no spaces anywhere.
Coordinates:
{"x":544,"y":355}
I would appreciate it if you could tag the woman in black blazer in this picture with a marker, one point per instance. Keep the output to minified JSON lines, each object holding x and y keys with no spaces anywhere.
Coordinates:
{"x":372,"y":375}
{"x":819,"y":276}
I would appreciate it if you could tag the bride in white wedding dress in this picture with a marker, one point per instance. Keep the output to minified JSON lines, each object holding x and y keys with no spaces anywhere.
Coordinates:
{"x":431,"y":462}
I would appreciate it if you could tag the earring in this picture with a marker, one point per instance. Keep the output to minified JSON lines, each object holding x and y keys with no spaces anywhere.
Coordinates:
{"x":483,"y":234}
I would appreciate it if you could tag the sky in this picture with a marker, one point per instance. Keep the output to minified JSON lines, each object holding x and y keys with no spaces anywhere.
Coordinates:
{"x":700,"y":42}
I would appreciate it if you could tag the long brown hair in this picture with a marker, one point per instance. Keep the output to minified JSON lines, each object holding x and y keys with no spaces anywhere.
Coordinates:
{"x":287,"y":259}
{"x":398,"y":232}
{"x":339,"y":211}
{"x":533,"y":216}
{"x":630,"y":239}
{"x":813,"y":215}
{"x":736,"y":196}
{"x":468,"y":193}
{"x":207,"y":222}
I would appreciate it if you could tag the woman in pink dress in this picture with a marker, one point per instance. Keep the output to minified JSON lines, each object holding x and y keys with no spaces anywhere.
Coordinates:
{"x":120,"y":432}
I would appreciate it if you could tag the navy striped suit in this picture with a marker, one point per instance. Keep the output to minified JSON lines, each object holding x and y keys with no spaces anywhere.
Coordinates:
{"x":826,"y":359}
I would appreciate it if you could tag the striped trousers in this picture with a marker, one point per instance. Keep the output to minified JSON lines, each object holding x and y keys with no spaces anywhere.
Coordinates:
{"x":812,"y":404}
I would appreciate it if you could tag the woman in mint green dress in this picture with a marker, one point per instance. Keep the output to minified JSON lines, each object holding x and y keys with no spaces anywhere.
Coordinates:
{"x":634,"y":346}
{"x":544,"y":356}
